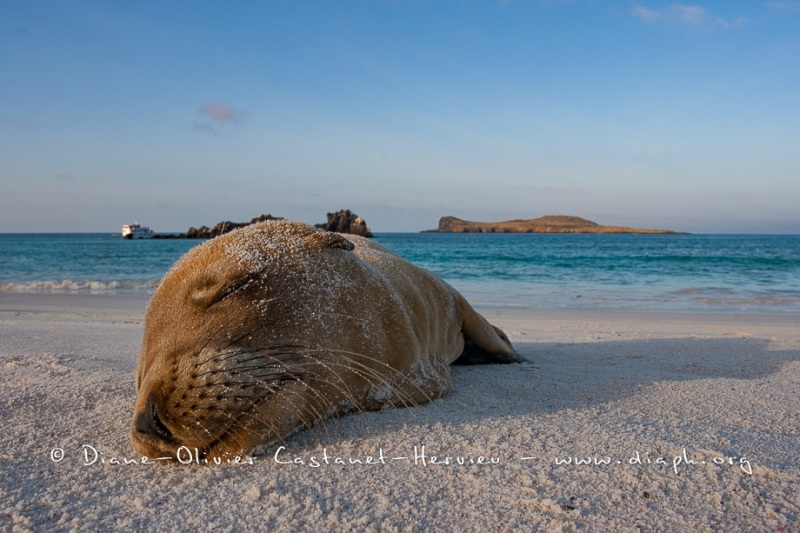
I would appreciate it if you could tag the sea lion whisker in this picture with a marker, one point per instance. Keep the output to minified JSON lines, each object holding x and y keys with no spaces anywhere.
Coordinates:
{"x":230,"y":343}
{"x":236,"y":422}
{"x":227,"y":354}
{"x":322,"y":413}
{"x":262,"y":359}
{"x":370,"y":376}
{"x":358,"y":407}
{"x":290,"y":408}
{"x":313,"y":410}
{"x":231,"y":431}
{"x":325,"y":405}
{"x":394,"y":373}
{"x":340,"y":384}
{"x":221,"y":355}
{"x":395,"y":396}
{"x":256,"y":371}
{"x":317,"y":413}
{"x":272,"y":355}
{"x":269,"y":366}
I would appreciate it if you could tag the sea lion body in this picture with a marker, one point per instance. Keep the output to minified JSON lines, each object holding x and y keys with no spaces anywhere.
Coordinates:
{"x":277,"y":325}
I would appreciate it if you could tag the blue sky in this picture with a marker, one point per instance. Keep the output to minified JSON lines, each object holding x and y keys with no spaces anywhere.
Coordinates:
{"x":653,"y":114}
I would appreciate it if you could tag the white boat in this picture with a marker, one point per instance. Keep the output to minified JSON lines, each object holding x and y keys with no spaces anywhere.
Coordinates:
{"x":136,"y":231}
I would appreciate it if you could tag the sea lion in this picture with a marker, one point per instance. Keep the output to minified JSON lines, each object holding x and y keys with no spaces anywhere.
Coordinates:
{"x":276,"y":325}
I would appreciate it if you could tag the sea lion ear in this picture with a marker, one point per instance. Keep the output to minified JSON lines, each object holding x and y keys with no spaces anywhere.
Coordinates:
{"x":326,"y":239}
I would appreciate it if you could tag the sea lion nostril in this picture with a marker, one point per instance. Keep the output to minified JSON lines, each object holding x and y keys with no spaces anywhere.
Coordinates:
{"x":148,"y":422}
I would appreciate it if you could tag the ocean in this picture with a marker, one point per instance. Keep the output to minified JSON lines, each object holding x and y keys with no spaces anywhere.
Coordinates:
{"x":668,"y":273}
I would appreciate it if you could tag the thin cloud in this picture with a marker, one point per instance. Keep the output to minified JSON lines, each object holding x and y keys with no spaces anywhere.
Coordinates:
{"x":738,"y":22}
{"x":222,"y":113}
{"x":550,"y":189}
{"x":674,"y":14}
{"x":693,"y":15}
{"x":647,"y":15}
{"x":205,"y":127}
{"x":789,"y":6}
{"x":15,"y":124}
{"x":217,"y":115}
{"x":684,"y":15}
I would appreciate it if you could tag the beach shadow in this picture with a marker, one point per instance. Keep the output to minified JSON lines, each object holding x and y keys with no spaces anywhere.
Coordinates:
{"x":564,"y":376}
{"x":574,"y":375}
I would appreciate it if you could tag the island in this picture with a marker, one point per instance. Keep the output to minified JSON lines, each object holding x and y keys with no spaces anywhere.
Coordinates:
{"x":545,"y":224}
{"x":343,"y":221}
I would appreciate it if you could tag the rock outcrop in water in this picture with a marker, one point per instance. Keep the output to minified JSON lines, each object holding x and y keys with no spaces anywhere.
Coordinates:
{"x":546,"y":224}
{"x":220,"y":228}
{"x":345,"y":221}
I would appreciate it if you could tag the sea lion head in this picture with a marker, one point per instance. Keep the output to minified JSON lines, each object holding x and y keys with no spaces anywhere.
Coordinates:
{"x":232,"y":342}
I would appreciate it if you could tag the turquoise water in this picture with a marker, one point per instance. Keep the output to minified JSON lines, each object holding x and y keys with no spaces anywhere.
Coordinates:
{"x":721,"y":273}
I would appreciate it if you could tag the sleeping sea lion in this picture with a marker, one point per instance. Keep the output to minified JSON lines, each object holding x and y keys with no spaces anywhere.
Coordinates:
{"x":277,"y":325}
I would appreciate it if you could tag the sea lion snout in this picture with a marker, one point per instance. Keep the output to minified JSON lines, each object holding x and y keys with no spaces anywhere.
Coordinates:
{"x":147,"y":423}
{"x":149,"y":433}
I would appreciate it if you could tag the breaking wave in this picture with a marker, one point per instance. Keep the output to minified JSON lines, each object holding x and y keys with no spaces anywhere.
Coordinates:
{"x":69,"y":286}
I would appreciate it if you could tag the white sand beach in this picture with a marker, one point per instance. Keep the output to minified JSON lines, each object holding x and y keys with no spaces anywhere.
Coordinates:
{"x":688,"y":421}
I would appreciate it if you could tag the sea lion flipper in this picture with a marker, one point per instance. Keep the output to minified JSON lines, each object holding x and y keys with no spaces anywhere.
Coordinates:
{"x":483,"y":342}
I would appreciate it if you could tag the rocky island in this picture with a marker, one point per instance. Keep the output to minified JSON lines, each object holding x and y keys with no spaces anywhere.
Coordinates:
{"x":545,"y":224}
{"x":344,"y":221}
